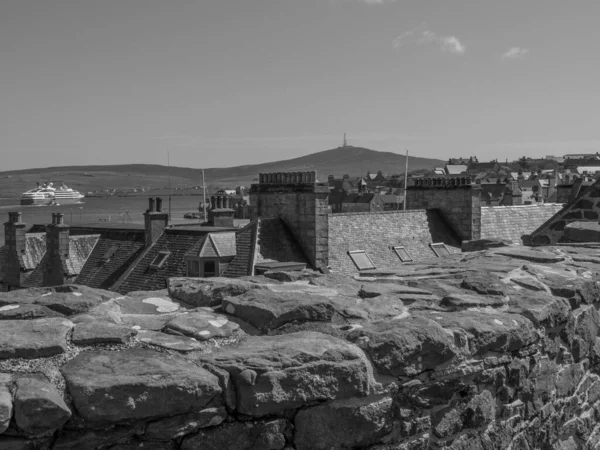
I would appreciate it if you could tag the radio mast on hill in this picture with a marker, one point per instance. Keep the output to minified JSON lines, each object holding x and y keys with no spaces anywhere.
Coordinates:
{"x":345,"y":143}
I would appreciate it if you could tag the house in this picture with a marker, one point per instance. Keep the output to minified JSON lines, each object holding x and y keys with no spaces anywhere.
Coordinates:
{"x":362,"y":202}
{"x":455,"y":169}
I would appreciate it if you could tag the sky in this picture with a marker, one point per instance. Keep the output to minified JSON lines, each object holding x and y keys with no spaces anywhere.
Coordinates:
{"x":217,"y":83}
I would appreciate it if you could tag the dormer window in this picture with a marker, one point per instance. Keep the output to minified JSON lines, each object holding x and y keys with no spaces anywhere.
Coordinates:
{"x":401,"y":252}
{"x":361,"y":260}
{"x":440,"y":249}
{"x":159,"y":260}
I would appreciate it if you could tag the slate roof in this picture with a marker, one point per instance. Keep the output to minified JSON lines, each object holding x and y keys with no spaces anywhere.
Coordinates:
{"x":214,"y":245}
{"x":243,"y":262}
{"x":141,"y":277}
{"x":377,"y":233}
{"x":80,"y":248}
{"x":358,"y":198}
{"x":113,"y":254}
{"x":35,"y":247}
{"x":511,"y":222}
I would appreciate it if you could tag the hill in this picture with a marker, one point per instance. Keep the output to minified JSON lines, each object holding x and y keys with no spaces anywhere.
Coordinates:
{"x":351,"y":160}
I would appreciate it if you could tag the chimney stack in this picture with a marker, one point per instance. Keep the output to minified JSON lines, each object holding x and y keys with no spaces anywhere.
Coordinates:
{"x":15,"y":240}
{"x":57,"y":252}
{"x":221,"y":215}
{"x":155,"y":221}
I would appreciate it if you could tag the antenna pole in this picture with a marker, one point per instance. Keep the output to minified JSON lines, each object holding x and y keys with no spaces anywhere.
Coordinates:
{"x":169,"y":174}
{"x":405,"y":181}
{"x":203,"y":195}
{"x":345,"y":143}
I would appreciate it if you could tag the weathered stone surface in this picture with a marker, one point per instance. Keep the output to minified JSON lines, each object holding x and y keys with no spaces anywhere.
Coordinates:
{"x":581,"y":331}
{"x":267,"y":310}
{"x":26,"y":312}
{"x":541,"y":309}
{"x":478,"y":411}
{"x":178,"y":426}
{"x":536,"y":256}
{"x":90,"y":333}
{"x":136,"y":384}
{"x":275,"y":373}
{"x":19,"y":443}
{"x":6,"y":401}
{"x":33,"y":338}
{"x":482,"y":244}
{"x":461,"y":301}
{"x":371,"y":308}
{"x":267,"y":435}
{"x":208,"y":291}
{"x":92,"y":439}
{"x":39,"y":408}
{"x":170,"y":341}
{"x":531,"y":283}
{"x":343,"y":424}
{"x":376,"y":289}
{"x":488,"y":331}
{"x":146,"y":303}
{"x":201,"y":325}
{"x":483,"y":284}
{"x":405,"y":347}
{"x":289,"y":277}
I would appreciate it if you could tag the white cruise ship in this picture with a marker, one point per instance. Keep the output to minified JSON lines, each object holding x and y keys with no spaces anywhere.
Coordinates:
{"x":47,"y":194}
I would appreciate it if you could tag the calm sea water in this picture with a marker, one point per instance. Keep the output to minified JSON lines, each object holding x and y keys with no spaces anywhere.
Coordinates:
{"x":99,"y":209}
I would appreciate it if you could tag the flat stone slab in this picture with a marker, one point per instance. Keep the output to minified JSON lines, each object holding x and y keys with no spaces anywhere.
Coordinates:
{"x":67,"y":300}
{"x":26,"y":312}
{"x":201,"y":325}
{"x":268,"y":310}
{"x":39,"y":407}
{"x":175,"y":427}
{"x":530,"y":283}
{"x":405,"y":347}
{"x":170,"y":341}
{"x":136,"y":384}
{"x":95,"y":332}
{"x":275,"y":373}
{"x":146,"y":303}
{"x":460,"y":301}
{"x":6,"y":401}
{"x":208,"y":291}
{"x":376,"y":289}
{"x":529,"y":255}
{"x":31,"y":339}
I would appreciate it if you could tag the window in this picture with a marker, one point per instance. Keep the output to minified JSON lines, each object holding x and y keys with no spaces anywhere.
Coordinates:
{"x":361,"y":260}
{"x":109,"y":254}
{"x":209,"y":268}
{"x":402,"y":253}
{"x":440,"y":249}
{"x":193,"y":268}
{"x":159,"y":260}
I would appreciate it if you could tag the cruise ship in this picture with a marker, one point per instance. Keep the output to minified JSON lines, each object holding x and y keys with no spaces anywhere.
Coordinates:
{"x":47,"y":194}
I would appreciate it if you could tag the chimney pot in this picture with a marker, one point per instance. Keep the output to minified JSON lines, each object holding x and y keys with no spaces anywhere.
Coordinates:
{"x":59,"y":218}
{"x":159,"y":204}
{"x":151,"y":204}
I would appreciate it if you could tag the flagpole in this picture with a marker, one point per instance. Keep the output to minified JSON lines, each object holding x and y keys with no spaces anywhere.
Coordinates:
{"x":405,"y":181}
{"x":204,"y":195}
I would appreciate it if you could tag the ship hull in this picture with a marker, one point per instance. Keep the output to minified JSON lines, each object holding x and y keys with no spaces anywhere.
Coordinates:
{"x":36,"y":201}
{"x":68,"y":201}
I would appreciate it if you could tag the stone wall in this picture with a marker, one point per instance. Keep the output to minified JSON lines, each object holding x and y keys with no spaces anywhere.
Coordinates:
{"x":487,"y":350}
{"x":457,"y":199}
{"x":586,"y":207}
{"x":302,"y":203}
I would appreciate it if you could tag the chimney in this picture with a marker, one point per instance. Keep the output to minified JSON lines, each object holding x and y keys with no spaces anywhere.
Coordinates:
{"x":57,"y":251}
{"x":222,"y":215}
{"x":14,"y":238}
{"x":155,"y":221}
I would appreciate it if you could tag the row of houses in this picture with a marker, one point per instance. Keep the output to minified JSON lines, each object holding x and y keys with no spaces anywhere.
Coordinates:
{"x":292,"y":228}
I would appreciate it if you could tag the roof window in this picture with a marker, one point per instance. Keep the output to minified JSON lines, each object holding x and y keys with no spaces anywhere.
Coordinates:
{"x":361,"y":260}
{"x":109,"y":254}
{"x":159,"y":260}
{"x":401,"y":252}
{"x":440,"y":249}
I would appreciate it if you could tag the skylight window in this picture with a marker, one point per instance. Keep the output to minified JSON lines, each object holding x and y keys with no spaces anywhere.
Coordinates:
{"x":361,"y":260}
{"x":440,"y":249}
{"x":109,"y":254}
{"x":159,"y":260}
{"x":401,"y":252}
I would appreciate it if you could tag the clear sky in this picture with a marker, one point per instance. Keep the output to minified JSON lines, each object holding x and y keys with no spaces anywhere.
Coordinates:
{"x":232,"y":82}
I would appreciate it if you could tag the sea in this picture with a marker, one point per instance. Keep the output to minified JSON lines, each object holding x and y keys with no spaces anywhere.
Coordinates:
{"x":111,"y":209}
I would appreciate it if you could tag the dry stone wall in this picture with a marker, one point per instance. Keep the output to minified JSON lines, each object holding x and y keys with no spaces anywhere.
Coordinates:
{"x":495,"y":349}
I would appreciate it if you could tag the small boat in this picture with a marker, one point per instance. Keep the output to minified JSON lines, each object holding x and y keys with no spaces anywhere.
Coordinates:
{"x":47,"y":194}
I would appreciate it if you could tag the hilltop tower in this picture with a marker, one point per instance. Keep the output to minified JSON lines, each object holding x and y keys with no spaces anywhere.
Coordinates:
{"x":345,"y":143}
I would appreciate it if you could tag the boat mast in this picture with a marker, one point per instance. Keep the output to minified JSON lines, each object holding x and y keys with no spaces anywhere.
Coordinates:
{"x":203,"y":196}
{"x":169,"y":175}
{"x":405,"y":181}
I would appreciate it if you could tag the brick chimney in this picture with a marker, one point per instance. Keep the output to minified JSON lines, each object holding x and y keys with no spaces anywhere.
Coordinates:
{"x":155,"y":220}
{"x":14,"y":239}
{"x":221,"y":214}
{"x":57,"y":251}
{"x":512,"y":194}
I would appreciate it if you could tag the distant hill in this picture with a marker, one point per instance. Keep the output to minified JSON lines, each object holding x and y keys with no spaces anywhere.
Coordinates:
{"x":351,"y":160}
